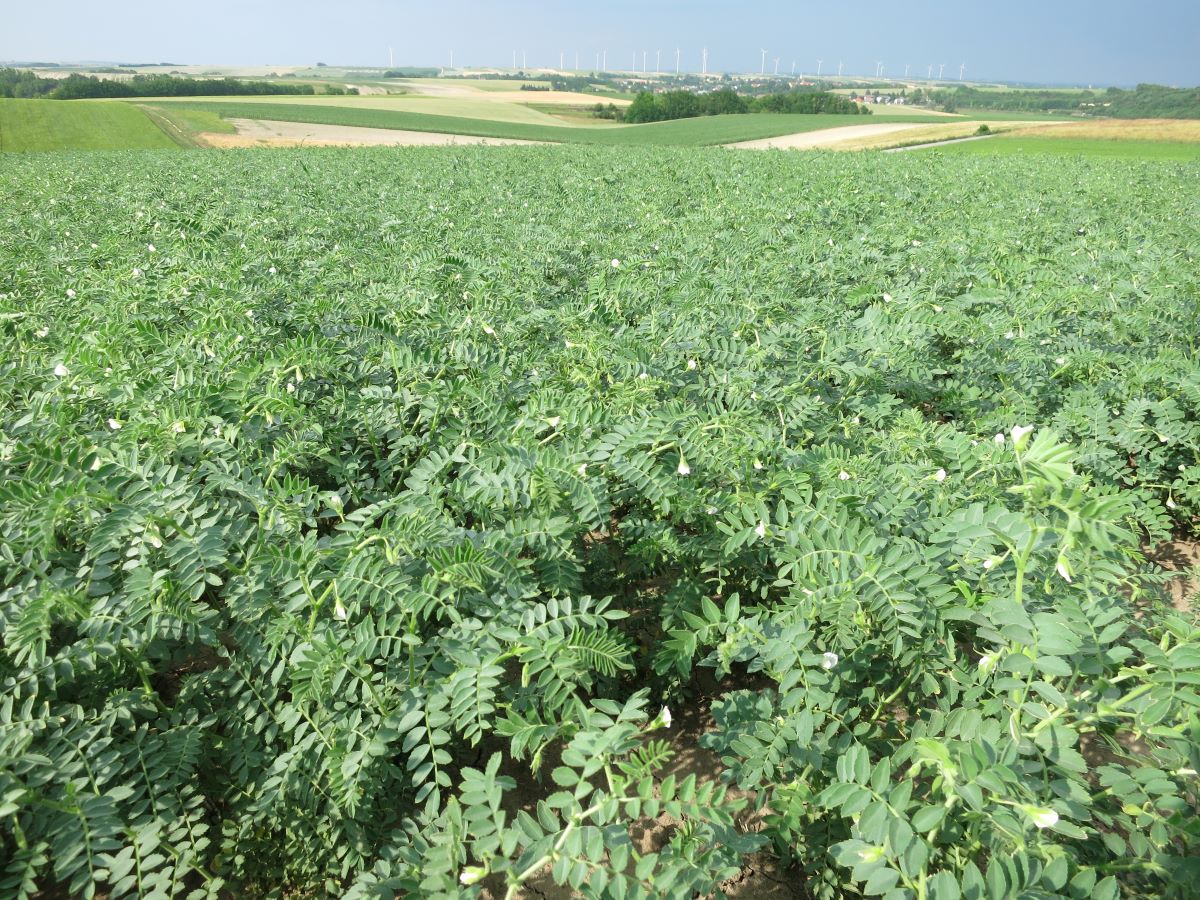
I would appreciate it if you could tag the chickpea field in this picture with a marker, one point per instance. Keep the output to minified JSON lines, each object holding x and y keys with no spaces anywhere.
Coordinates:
{"x":372,"y":520}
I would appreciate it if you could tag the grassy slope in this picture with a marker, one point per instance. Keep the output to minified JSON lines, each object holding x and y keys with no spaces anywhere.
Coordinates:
{"x":78,"y":125}
{"x":683,"y":132}
{"x":1012,"y":145}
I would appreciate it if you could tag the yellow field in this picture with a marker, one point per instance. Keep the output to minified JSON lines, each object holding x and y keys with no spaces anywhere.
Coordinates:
{"x":1174,"y":130}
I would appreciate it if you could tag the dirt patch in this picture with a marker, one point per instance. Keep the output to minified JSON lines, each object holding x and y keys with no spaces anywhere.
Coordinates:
{"x":826,"y":137}
{"x":254,"y":133}
{"x":1182,"y":557}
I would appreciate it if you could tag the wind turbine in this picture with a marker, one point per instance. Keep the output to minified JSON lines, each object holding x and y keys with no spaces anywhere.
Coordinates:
{"x":452,"y":59}
{"x":929,"y":74}
{"x":658,"y":62}
{"x":763,"y":69}
{"x":941,"y":68}
{"x":643,"y":62}
{"x":777,"y":67}
{"x":391,"y":59}
{"x":793,"y":68}
{"x":524,"y":64}
{"x":604,"y":60}
{"x":961,"y":69}
{"x":677,"y":61}
{"x":560,"y":61}
{"x":820,"y":62}
{"x":906,"y":70}
{"x":839,"y":70}
{"x":704,"y":61}
{"x":597,"y":60}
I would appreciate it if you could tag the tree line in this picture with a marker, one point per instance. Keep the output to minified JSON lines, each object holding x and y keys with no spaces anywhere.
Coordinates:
{"x":648,"y":107}
{"x":21,"y":83}
{"x":1146,"y":101}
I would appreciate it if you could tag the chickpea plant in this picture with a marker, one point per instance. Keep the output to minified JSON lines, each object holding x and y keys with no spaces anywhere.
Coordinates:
{"x":368,"y":518}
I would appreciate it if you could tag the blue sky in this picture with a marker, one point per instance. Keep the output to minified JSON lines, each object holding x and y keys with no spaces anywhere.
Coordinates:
{"x":1101,"y":41}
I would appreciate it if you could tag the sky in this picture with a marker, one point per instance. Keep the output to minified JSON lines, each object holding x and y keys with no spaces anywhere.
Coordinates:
{"x":1102,"y":42}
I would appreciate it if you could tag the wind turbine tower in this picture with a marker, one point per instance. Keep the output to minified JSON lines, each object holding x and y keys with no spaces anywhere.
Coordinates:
{"x":929,"y":74}
{"x":391,"y":59}
{"x":452,"y":59}
{"x":839,"y":70}
{"x":961,"y":70}
{"x":657,"y":62}
{"x":941,"y":69}
{"x":704,"y":61}
{"x":906,"y":70}
{"x":763,"y":69}
{"x":820,"y":62}
{"x":676,"y":60}
{"x":524,"y":64}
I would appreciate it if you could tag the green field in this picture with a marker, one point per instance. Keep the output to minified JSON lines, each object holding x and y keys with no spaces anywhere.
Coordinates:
{"x":1032,"y":145}
{"x":410,"y":522}
{"x":699,"y":131}
{"x":77,"y":125}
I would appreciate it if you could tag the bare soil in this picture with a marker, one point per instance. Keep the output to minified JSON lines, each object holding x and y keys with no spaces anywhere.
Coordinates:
{"x":253,"y":133}
{"x":827,"y":137}
{"x":1182,"y":556}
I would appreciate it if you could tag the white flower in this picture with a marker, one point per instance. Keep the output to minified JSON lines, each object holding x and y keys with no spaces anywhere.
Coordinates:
{"x":987,"y":663}
{"x":488,"y":329}
{"x":61,"y":371}
{"x":643,"y":376}
{"x":1062,"y":569}
{"x":887,"y":298}
{"x":70,"y":294}
{"x":472,"y":875}
{"x":1170,"y":503}
{"x":291,"y":388}
{"x":828,"y":661}
{"x":758,"y":465}
{"x":1019,"y":433}
{"x":761,"y":529}
{"x":1009,"y":336}
{"x":137,"y":273}
{"x":684,"y":468}
{"x":94,"y":246}
{"x":999,"y":438}
{"x":95,"y":464}
{"x":179,"y":427}
{"x":616,"y":264}
{"x":150,"y":248}
{"x":582,"y":468}
{"x":569,"y":344}
{"x":691,"y":365}
{"x":271,"y":270}
{"x":665,"y":717}
{"x":843,"y":475}
{"x":43,"y":331}
{"x":916,"y":243}
{"x":553,"y":421}
{"x":339,"y":611}
{"x":1042,"y":816}
{"x":754,"y":395}
{"x":939,"y":475}
{"x":937,"y":309}
{"x":1061,"y":361}
{"x":712,"y":510}
{"x":114,"y":424}
{"x":988,"y":563}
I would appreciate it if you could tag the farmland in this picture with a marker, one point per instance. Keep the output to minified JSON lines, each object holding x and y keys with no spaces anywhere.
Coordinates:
{"x":27,"y":125}
{"x":369,"y":519}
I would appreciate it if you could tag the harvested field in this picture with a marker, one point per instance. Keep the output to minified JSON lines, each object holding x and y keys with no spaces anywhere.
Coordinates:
{"x":254,"y":133}
{"x":809,"y":140}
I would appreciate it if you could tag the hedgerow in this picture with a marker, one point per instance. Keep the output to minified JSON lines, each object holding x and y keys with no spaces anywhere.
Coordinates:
{"x":345,"y":495}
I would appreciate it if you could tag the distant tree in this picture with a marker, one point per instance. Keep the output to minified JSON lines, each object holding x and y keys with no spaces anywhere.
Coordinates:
{"x":642,"y":109}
